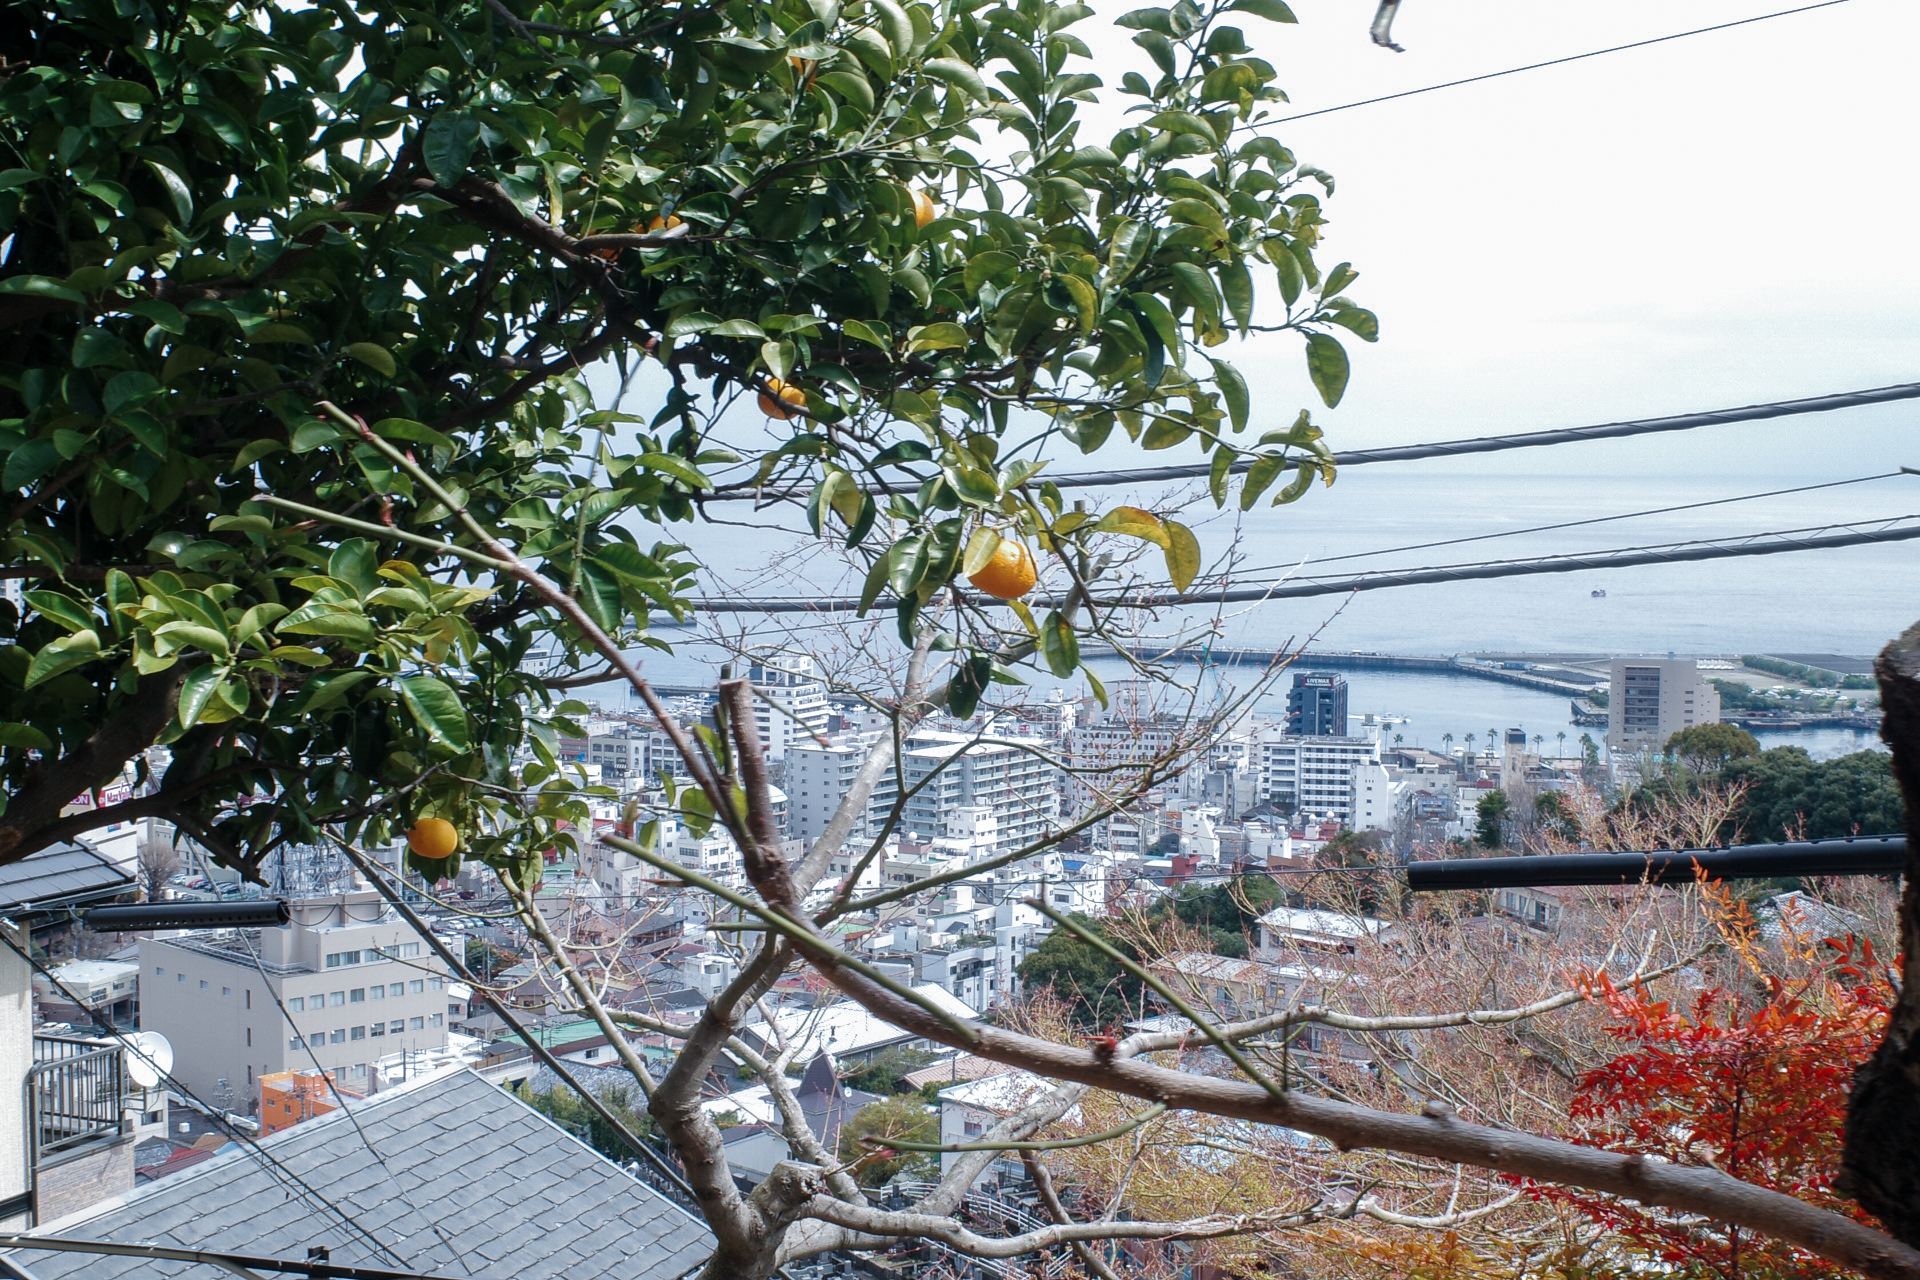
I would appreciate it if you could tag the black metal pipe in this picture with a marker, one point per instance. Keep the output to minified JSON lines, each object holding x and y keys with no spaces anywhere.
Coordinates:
{"x":1855,"y":856}
{"x":261,"y":913}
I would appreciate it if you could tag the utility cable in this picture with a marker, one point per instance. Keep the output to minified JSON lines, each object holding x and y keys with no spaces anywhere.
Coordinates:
{"x":1535,"y":66}
{"x":1575,"y":524}
{"x":1437,"y":449}
{"x":1760,"y":544}
{"x":239,"y":1263}
{"x":269,"y":1162}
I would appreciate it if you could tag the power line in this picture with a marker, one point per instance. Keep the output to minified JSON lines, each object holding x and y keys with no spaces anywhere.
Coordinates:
{"x":1575,"y":524}
{"x":1535,"y":66}
{"x":240,"y":1263}
{"x":1441,"y":448}
{"x":1760,"y":544}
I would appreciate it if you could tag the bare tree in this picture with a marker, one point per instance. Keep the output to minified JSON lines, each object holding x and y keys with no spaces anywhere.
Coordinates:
{"x":156,"y":863}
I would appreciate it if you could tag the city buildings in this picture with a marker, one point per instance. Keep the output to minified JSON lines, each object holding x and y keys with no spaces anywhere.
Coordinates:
{"x":347,"y":984}
{"x":790,"y":704}
{"x":1315,"y":776}
{"x":819,"y":775}
{"x":948,"y":774}
{"x":1317,"y":704}
{"x":1651,"y":700}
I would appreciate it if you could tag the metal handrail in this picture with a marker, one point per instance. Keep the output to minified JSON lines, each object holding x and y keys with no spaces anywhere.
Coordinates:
{"x":75,"y":1095}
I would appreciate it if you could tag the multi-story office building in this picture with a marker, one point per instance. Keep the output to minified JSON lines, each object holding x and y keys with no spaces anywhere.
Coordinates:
{"x":1653,"y":699}
{"x":347,"y":984}
{"x":789,"y":705}
{"x":947,"y":773}
{"x":1315,"y":775}
{"x":1317,"y":704}
{"x":818,"y":777}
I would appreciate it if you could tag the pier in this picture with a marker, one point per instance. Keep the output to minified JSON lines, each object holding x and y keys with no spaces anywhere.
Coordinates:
{"x":1335,"y":660}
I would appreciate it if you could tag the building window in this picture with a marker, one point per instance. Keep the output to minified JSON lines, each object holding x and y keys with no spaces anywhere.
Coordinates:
{"x":436,"y":1019}
{"x":417,"y":986}
{"x":396,"y":1027}
{"x":297,"y":1004}
{"x":341,"y":959}
{"x":357,"y":996}
{"x":203,"y":984}
{"x":417,"y":1024}
{"x":336,"y":998}
{"x":179,"y":977}
{"x":317,"y":1038}
{"x":378,"y":993}
{"x":336,"y":1036}
{"x":358,"y":1033}
{"x":397,"y":989}
{"x":377,"y":1029}
{"x":360,"y":1071}
{"x":438,"y":984}
{"x":249,"y":1037}
{"x":158,"y":972}
{"x":296,"y":1043}
{"x":226,"y":991}
{"x":972,"y":1128}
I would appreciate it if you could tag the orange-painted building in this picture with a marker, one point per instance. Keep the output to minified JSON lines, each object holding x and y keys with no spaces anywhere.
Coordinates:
{"x":288,"y":1097}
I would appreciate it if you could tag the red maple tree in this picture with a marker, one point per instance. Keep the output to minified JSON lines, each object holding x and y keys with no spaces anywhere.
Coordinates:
{"x":1754,"y":1084}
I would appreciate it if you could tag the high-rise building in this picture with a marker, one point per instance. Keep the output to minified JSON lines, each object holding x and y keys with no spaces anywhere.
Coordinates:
{"x":1652,"y":699}
{"x":953,"y":772}
{"x":789,"y":705}
{"x":818,"y":777}
{"x":1317,"y":704}
{"x":1316,"y":775}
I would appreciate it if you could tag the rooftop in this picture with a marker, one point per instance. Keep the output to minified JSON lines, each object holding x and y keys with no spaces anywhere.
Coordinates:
{"x":447,"y":1175}
{"x":64,"y":875}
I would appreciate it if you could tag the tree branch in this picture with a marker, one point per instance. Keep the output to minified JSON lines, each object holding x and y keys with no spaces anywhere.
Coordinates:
{"x":949,"y":1232}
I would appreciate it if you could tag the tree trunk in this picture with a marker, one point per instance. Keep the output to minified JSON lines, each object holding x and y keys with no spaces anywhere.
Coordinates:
{"x":1880,"y":1165}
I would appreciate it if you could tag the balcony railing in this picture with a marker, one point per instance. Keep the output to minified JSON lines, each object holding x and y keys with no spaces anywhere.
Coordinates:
{"x":76,"y":1092}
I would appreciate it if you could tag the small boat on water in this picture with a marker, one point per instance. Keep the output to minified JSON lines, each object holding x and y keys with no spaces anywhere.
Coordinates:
{"x":1599,"y":595}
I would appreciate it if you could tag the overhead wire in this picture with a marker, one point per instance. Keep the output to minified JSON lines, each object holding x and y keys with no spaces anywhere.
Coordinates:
{"x":1535,"y":66}
{"x":1575,"y":524}
{"x":1434,"y":449}
{"x":1773,"y":542}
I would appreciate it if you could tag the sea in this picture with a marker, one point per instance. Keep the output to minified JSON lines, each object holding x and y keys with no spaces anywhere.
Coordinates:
{"x":1847,"y":602}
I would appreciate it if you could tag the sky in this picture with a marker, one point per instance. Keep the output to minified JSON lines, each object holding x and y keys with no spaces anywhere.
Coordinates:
{"x":1720,"y":220}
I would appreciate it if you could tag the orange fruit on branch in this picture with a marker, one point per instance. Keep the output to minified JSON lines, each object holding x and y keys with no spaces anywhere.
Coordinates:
{"x":662,"y":222}
{"x":1010,"y":574}
{"x":776,"y":400}
{"x":924,"y":209}
{"x":433,"y":838}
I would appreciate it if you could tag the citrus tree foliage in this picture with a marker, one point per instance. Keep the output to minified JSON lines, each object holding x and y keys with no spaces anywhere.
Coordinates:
{"x":437,"y":215}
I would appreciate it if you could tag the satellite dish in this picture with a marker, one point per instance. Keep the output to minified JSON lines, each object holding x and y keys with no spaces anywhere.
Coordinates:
{"x":149,"y":1058}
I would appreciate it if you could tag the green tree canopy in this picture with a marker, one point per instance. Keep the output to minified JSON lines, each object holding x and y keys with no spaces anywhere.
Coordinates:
{"x":1793,"y":794}
{"x":436,"y":217}
{"x":901,"y":1118}
{"x":1708,"y":748}
{"x":1100,"y":994}
{"x":1490,"y":819}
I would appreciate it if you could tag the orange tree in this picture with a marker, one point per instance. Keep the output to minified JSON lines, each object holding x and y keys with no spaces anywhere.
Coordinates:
{"x":437,"y":216}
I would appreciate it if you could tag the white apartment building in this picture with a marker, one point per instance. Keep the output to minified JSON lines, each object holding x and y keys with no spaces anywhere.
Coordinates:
{"x":1652,"y":699}
{"x":961,"y":772}
{"x":1316,"y":776}
{"x":789,"y":704}
{"x":818,"y":777}
{"x":346,"y":984}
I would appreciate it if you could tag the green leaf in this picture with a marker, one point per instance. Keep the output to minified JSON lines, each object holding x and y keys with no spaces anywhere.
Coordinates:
{"x":874,"y":334}
{"x":1058,"y":645}
{"x":1183,"y":555}
{"x":1131,"y":243}
{"x":1272,"y":10}
{"x":1259,"y":476}
{"x":447,"y":143}
{"x":1134,"y":523}
{"x":61,"y":655}
{"x":967,"y":683}
{"x":876,"y":580}
{"x":1338,"y":279}
{"x":196,"y":691}
{"x":93,"y":347}
{"x":1198,"y":213}
{"x":980,"y":549}
{"x":1236,"y":283}
{"x":374,"y":356}
{"x":1292,"y":281}
{"x":1327,"y":366}
{"x":959,"y":75}
{"x":436,"y":708}
{"x":24,"y":735}
{"x":1093,"y":683}
{"x":937,"y":337}
{"x":679,"y":468}
{"x":1233,"y":390}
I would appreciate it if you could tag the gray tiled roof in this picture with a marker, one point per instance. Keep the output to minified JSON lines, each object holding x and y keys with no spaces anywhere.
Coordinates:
{"x":463,"y":1179}
{"x":63,"y":874}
